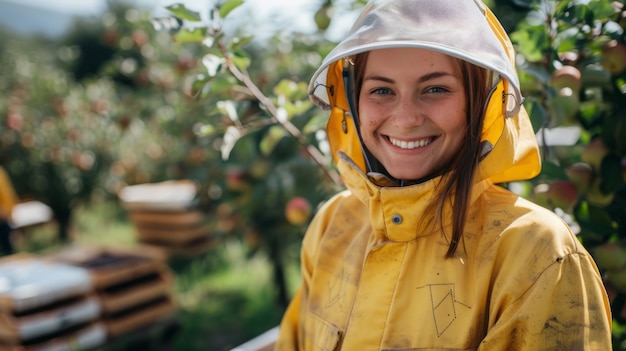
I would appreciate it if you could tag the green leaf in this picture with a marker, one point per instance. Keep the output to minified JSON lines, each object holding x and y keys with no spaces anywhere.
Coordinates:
{"x":199,"y":83}
{"x":228,"y":6}
{"x":186,"y":36}
{"x":537,"y":114}
{"x":238,"y":42}
{"x":298,"y":107}
{"x":222,"y":84}
{"x":206,"y":130}
{"x":572,"y":13}
{"x":595,"y":223}
{"x":566,"y":40}
{"x":553,"y":171}
{"x":292,"y":90}
{"x":273,"y":136}
{"x":181,"y":11}
{"x":614,"y":132}
{"x":318,"y":122}
{"x":532,"y":41}
{"x":601,"y":8}
{"x":322,"y":17}
{"x":242,"y":62}
{"x":533,"y":79}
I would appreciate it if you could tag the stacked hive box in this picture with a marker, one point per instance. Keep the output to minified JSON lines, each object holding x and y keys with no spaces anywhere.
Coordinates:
{"x":47,"y":306}
{"x":165,"y":215}
{"x":133,"y":286}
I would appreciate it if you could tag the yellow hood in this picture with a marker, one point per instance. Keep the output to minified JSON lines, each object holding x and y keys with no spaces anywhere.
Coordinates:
{"x":508,"y":138}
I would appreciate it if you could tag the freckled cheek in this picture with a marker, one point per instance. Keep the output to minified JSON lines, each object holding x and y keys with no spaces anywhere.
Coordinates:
{"x":371,"y":116}
{"x":370,"y":123}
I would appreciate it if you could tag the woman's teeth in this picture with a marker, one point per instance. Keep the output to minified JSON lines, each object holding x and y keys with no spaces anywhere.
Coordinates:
{"x":410,"y":144}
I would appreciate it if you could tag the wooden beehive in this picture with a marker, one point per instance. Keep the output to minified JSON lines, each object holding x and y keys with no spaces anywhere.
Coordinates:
{"x":134,"y":285}
{"x":165,"y":215}
{"x":43,"y":302}
{"x":18,"y":328}
{"x":82,"y":337}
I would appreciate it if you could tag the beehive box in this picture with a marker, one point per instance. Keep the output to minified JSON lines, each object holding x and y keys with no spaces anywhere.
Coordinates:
{"x":107,"y":266}
{"x":165,"y":215}
{"x":27,"y":282}
{"x":82,"y":337}
{"x":19,"y":328}
{"x":134,"y":285}
{"x":167,"y":196}
{"x":41,"y":301}
{"x":138,"y":316}
{"x":171,"y":234}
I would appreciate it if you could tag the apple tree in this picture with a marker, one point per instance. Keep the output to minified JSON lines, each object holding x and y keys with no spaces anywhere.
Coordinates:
{"x":76,"y":126}
{"x":56,"y":133}
{"x":572,"y":66}
{"x":269,"y":135}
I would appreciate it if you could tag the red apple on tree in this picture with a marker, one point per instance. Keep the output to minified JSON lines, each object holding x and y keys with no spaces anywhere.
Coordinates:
{"x":139,"y":38}
{"x":566,"y":77}
{"x":594,"y":152}
{"x":614,"y":56}
{"x":581,"y":174}
{"x":563,"y":194}
{"x":298,"y":210}
{"x":236,"y":178}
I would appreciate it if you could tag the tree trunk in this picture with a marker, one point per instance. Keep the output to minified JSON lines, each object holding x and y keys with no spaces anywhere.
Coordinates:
{"x":64,"y":220}
{"x":278,"y":273}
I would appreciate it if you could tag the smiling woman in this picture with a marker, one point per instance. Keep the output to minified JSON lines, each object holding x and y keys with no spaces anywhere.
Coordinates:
{"x":424,"y":250}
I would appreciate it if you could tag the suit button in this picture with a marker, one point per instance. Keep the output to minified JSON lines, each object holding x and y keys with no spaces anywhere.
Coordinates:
{"x":396,"y":219}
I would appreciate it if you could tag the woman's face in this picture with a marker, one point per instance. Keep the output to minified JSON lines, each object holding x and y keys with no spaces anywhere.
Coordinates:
{"x":412,"y":110}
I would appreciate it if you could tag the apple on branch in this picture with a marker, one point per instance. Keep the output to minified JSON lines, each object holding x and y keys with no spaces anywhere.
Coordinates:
{"x":298,"y":210}
{"x":562,"y":194}
{"x":594,"y":152}
{"x":566,"y":77}
{"x":581,"y":174}
{"x":614,"y":56}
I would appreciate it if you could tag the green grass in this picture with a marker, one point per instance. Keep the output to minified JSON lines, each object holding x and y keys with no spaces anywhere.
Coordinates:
{"x":224,"y":296}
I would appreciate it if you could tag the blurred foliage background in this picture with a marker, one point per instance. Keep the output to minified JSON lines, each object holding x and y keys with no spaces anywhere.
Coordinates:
{"x":136,"y":98}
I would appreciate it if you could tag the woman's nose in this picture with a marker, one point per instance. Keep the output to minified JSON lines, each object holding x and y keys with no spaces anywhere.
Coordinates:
{"x":408,"y":113}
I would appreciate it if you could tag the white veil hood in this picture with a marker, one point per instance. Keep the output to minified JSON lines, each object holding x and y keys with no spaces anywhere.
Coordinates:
{"x":458,"y":28}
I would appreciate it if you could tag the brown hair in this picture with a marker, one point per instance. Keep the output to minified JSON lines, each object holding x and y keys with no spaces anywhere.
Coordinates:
{"x":457,"y":185}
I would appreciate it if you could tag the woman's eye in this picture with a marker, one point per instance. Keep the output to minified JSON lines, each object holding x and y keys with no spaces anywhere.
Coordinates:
{"x":381,"y":91}
{"x":437,"y":90}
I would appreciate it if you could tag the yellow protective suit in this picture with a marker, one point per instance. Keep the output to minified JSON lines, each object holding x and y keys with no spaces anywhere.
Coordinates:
{"x":8,"y":198}
{"x":374,"y":270}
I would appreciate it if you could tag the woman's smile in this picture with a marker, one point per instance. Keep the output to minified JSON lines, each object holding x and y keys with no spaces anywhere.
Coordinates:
{"x":410,"y":144}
